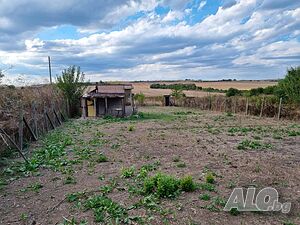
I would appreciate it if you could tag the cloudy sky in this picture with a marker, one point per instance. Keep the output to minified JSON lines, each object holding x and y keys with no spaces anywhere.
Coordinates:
{"x":149,"y":39}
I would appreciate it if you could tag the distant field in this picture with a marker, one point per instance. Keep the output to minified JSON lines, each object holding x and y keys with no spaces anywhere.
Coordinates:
{"x":144,"y":87}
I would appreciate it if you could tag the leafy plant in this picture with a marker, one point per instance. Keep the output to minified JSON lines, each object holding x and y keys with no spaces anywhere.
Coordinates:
{"x":209,"y":178}
{"x":247,"y":144}
{"x":289,"y":87}
{"x":101,"y":158}
{"x":181,"y":165}
{"x":207,"y":187}
{"x":70,"y":180}
{"x":128,"y":172}
{"x":187,"y":184}
{"x":163,"y":185}
{"x":140,"y":98}
{"x":106,"y":210}
{"x":71,"y":83}
{"x":205,"y":197}
{"x":131,"y":128}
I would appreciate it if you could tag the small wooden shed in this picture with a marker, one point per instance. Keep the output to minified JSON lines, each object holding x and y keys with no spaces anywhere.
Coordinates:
{"x":108,"y":99}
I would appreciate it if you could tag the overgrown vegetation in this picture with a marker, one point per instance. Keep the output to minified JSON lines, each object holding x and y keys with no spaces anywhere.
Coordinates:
{"x":140,"y":98}
{"x":71,"y":83}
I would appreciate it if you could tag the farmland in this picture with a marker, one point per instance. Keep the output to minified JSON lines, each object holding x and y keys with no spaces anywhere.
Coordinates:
{"x":90,"y":171}
{"x":144,"y":87}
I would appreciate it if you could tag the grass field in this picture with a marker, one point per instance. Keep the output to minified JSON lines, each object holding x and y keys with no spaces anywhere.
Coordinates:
{"x":144,"y":87}
{"x":165,"y":166}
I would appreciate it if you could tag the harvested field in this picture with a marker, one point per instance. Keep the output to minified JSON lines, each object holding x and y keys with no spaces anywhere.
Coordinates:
{"x":144,"y":87}
{"x":99,"y":170}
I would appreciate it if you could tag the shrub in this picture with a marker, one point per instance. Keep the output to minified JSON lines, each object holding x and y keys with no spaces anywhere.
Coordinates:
{"x":187,"y":184}
{"x":166,"y":186}
{"x":209,"y":178}
{"x":163,"y":185}
{"x":233,"y":92}
{"x":140,"y":98}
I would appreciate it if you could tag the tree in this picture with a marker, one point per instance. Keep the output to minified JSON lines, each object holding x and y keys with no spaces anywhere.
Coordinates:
{"x":71,"y":83}
{"x":233,"y":92}
{"x":289,"y":87}
{"x":177,"y":94}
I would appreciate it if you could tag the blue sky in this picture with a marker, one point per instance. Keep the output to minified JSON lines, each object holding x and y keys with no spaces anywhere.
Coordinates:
{"x":149,"y":39}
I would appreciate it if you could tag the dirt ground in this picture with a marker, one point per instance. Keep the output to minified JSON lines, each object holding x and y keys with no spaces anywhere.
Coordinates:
{"x":177,"y":142}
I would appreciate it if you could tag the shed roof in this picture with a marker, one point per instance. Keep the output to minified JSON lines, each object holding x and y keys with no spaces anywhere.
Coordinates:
{"x":107,"y":90}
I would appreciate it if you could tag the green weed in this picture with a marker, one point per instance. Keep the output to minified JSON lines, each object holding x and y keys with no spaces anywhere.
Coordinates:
{"x":128,"y":172}
{"x":205,"y":197}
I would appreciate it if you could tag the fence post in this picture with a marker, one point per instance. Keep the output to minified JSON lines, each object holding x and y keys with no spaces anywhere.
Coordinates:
{"x":35,"y":119}
{"x":21,"y":114}
{"x":45,"y":119}
{"x":279,"y":109}
{"x":262,"y":107}
{"x":234,"y":107}
{"x":247,"y":106}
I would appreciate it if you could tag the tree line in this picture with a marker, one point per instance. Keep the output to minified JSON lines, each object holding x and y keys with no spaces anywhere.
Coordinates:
{"x":288,"y":88}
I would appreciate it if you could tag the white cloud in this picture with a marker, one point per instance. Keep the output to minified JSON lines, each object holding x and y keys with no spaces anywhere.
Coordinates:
{"x":201,"y":5}
{"x":240,"y":38}
{"x":172,"y":15}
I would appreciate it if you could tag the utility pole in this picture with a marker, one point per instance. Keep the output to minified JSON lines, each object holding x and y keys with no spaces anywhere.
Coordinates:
{"x":49,"y":61}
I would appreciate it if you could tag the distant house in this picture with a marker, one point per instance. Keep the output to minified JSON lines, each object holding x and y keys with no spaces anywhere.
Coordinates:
{"x":108,"y":99}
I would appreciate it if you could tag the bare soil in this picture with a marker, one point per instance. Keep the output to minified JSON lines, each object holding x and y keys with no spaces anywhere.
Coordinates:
{"x":200,"y":139}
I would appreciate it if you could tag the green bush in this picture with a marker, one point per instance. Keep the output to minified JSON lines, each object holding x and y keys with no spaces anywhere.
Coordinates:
{"x":233,"y":92}
{"x":289,"y":87}
{"x":209,"y":178}
{"x":166,"y":186}
{"x":187,"y":184}
{"x":140,"y":98}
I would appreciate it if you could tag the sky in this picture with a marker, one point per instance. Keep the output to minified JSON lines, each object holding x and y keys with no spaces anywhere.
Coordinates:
{"x":149,"y":39}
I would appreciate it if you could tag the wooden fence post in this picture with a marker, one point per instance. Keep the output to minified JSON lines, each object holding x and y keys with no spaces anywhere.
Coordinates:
{"x":35,"y":119}
{"x":14,"y":143}
{"x":21,"y":114}
{"x":234,"y":107}
{"x":262,"y":107}
{"x":279,"y":109}
{"x":45,"y":119}
{"x":51,"y":123}
{"x":247,"y":106}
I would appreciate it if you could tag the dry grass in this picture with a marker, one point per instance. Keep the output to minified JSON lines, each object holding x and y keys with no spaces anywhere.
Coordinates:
{"x":13,"y":99}
{"x":144,"y":87}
